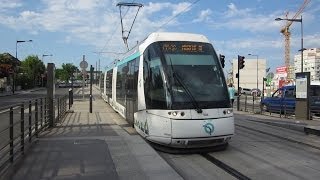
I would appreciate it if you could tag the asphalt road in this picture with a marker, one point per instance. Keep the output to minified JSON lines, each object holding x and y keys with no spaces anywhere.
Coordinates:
{"x":26,"y":96}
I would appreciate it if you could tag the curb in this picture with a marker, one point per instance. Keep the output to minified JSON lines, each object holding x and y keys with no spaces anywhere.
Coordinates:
{"x":273,"y":122}
{"x":292,"y":125}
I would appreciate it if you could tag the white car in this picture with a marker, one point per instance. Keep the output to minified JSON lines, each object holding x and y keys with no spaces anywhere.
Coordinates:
{"x":246,"y":91}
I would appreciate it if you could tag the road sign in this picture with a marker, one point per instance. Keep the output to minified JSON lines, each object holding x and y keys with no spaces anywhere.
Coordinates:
{"x":83,"y":64}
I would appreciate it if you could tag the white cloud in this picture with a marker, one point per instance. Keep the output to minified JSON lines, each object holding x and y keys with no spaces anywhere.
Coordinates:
{"x":9,"y":4}
{"x":203,"y":16}
{"x":94,"y":21}
{"x":233,"y":11}
{"x":309,"y":41}
{"x":180,"y":7}
{"x":253,"y":43}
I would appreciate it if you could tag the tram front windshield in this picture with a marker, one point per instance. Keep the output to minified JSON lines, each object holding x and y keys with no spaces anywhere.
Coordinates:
{"x":183,"y":75}
{"x":194,"y":67}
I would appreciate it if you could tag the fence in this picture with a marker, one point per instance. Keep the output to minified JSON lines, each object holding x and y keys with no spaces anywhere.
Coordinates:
{"x":252,"y":104}
{"x":20,"y":125}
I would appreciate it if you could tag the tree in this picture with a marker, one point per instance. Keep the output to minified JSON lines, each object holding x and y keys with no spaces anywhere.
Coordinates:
{"x":8,"y":64}
{"x":66,"y":72}
{"x":33,"y":68}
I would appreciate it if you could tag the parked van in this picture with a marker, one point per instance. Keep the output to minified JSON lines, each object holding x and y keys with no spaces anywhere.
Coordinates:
{"x":284,"y":100}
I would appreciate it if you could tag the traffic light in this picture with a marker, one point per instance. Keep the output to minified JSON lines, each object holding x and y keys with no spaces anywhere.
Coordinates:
{"x":221,"y":56}
{"x":241,"y":62}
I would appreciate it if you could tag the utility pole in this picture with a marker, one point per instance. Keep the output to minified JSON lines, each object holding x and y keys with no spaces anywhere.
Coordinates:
{"x":239,"y":91}
{"x":91,"y":78}
{"x":99,"y":74}
{"x":96,"y":73}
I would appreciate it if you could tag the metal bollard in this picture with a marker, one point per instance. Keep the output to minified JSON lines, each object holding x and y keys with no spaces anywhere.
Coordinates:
{"x":90,"y":103}
{"x":253,"y":104}
{"x":11,"y":134}
{"x":36,"y":117}
{"x":245,"y":103}
{"x":59,"y":109}
{"x":22,"y":128}
{"x":30,"y":119}
{"x":41,"y":113}
{"x":70,"y":94}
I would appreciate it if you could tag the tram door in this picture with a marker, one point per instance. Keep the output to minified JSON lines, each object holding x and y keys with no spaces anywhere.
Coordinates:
{"x":131,"y":91}
{"x":130,"y":109}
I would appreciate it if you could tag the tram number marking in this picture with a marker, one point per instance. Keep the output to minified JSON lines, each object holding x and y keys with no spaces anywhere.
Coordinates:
{"x":169,"y":47}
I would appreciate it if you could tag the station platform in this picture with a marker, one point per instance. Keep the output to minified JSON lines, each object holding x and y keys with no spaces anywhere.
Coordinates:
{"x":306,"y":126}
{"x":97,"y":145}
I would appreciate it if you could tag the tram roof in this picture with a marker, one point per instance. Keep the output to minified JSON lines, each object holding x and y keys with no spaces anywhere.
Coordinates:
{"x":172,"y":36}
{"x":156,"y":37}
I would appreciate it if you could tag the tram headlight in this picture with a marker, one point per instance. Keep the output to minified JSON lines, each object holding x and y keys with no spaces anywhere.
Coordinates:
{"x":174,"y":113}
{"x":229,"y":111}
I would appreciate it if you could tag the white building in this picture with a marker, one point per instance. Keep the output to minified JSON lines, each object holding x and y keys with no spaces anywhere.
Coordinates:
{"x":251,"y":75}
{"x":311,"y":63}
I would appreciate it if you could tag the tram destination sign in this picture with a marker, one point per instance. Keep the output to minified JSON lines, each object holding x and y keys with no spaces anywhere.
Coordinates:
{"x":183,"y":47}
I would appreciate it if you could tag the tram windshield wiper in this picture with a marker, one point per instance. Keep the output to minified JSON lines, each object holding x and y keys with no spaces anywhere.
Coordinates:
{"x":187,"y":91}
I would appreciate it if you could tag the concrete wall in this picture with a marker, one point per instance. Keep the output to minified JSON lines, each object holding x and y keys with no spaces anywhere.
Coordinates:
{"x":248,"y":75}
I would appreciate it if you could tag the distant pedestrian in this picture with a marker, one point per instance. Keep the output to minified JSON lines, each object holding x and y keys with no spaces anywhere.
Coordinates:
{"x":232,"y":91}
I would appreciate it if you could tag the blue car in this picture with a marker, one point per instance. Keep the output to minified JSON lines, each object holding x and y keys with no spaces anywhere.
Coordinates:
{"x":284,"y":100}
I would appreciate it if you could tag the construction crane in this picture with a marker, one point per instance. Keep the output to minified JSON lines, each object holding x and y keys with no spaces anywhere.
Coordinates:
{"x":286,"y":33}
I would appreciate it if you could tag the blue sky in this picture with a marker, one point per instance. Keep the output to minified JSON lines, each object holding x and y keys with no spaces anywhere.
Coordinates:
{"x":68,"y":29}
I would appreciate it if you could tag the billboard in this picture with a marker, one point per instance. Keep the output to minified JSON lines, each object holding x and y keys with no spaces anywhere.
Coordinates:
{"x":281,"y":70}
{"x":281,"y":76}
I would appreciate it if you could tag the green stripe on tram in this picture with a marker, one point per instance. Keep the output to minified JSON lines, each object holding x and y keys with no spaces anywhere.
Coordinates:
{"x":131,"y":57}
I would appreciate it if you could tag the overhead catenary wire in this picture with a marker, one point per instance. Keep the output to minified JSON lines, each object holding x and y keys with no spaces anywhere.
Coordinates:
{"x":125,"y":38}
{"x":113,"y":32}
{"x":157,"y":29}
{"x":183,"y":11}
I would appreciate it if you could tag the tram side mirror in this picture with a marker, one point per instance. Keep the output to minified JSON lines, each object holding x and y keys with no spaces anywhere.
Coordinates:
{"x":222,"y":60}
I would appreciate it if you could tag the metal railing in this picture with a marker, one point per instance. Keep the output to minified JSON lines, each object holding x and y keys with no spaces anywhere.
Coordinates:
{"x":252,"y":104}
{"x":314,"y":107}
{"x":20,"y":125}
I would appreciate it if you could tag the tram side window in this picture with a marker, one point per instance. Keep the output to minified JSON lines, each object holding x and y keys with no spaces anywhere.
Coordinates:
{"x":153,"y":82}
{"x":121,"y":82}
{"x":101,"y":82}
{"x":109,"y":83}
{"x":135,"y":75}
{"x":132,"y":79}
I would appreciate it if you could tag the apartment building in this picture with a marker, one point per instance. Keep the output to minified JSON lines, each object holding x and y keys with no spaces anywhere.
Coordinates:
{"x":311,"y":63}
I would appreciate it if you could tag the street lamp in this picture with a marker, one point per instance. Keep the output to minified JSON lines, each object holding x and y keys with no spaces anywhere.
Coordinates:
{"x":257,"y":67}
{"x":44,"y":55}
{"x":42,"y":76}
{"x":13,"y":79}
{"x":297,"y":20}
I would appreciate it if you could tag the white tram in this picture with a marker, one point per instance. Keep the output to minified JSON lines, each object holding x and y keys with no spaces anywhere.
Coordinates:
{"x":171,"y":87}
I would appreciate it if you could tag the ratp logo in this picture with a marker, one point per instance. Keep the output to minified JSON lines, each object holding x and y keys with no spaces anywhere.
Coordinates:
{"x":208,"y":128}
